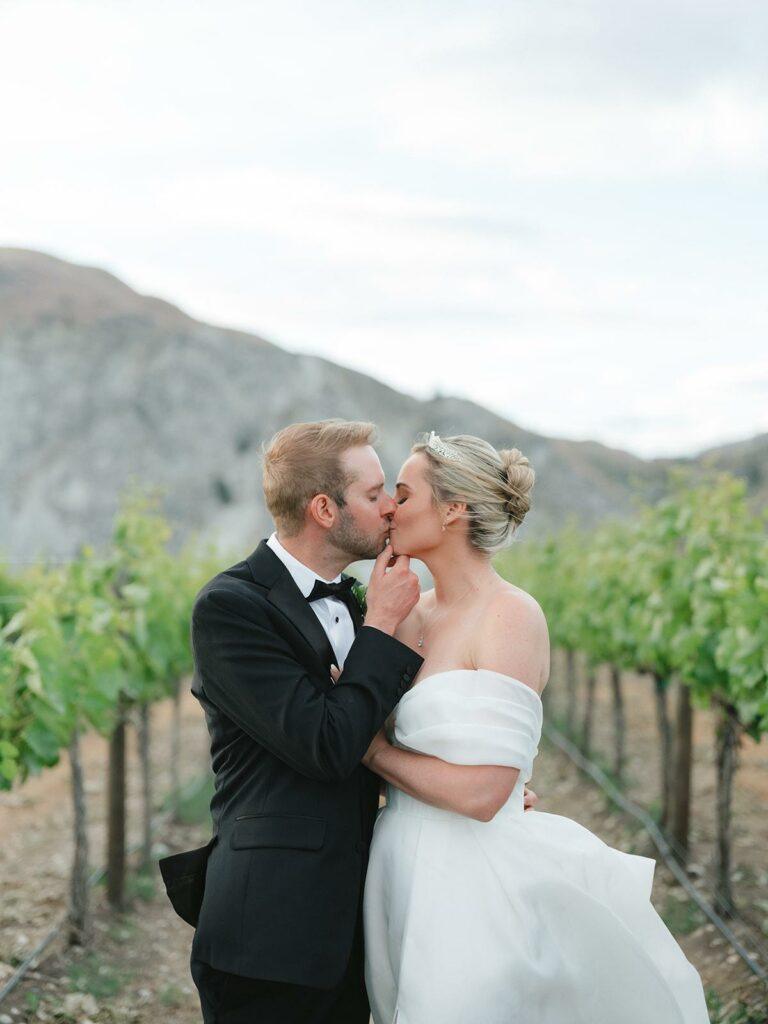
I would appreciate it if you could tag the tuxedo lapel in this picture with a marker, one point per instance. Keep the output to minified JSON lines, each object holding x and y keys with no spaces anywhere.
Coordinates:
{"x":286,"y":596}
{"x":354,"y":607}
{"x":269,"y":571}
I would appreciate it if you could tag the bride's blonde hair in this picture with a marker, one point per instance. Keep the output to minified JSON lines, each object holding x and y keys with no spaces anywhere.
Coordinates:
{"x":495,"y":485}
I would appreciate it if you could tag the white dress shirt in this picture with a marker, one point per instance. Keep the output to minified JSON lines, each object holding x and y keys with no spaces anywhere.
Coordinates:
{"x":333,"y":614}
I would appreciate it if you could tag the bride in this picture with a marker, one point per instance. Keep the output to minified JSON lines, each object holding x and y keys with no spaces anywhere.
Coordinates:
{"x":477,"y":912}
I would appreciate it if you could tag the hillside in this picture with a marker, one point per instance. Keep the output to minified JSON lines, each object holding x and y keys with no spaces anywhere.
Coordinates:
{"x":99,"y":384}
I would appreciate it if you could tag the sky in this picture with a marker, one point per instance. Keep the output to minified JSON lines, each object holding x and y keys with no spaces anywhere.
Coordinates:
{"x":556,"y":209}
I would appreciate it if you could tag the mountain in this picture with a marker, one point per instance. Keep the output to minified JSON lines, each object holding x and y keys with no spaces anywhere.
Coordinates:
{"x":747,"y":459}
{"x":99,"y":385}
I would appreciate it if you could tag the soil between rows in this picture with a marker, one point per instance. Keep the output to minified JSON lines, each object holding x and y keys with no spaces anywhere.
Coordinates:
{"x":136,"y":970}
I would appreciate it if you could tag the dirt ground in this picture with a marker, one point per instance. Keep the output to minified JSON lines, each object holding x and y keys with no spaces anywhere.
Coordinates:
{"x":136,"y":968}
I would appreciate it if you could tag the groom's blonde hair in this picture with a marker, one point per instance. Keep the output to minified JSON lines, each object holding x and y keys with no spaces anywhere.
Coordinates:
{"x":304,"y":459}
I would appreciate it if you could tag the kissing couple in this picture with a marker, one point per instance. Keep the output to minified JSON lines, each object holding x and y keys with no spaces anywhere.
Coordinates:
{"x":458,"y":902}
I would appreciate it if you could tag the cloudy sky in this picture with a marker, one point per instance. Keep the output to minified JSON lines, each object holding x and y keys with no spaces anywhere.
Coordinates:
{"x":557,"y":209}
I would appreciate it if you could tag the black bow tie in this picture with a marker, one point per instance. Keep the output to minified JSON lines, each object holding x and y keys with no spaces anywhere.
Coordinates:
{"x":341,"y":589}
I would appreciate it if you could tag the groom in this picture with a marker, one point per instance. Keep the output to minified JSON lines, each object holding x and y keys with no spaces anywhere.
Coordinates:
{"x":277,"y":894}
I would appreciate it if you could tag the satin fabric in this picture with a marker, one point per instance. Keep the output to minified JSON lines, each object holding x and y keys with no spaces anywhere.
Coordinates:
{"x":527,"y":919}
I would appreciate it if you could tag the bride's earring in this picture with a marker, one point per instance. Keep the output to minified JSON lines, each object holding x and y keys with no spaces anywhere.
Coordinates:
{"x":443,"y":526}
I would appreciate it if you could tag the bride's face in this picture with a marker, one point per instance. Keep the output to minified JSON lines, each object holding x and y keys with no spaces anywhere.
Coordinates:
{"x":417,"y":524}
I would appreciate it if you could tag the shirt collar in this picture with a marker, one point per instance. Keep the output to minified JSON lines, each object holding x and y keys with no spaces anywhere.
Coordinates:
{"x":303,"y":576}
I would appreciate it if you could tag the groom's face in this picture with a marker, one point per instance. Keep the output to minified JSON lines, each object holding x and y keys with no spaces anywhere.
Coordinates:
{"x":363,"y":524}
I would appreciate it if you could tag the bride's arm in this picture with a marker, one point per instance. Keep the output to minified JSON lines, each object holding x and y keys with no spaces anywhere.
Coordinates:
{"x":474,"y":790}
{"x":514,"y":641}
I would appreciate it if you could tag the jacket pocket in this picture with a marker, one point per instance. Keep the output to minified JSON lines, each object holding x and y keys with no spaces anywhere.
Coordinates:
{"x":285,"y":831}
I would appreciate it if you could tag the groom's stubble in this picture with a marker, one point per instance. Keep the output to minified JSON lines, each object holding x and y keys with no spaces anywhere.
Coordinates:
{"x":346,"y":536}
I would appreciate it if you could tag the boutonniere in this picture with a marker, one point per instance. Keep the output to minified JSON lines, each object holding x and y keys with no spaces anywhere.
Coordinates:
{"x":359,"y":589}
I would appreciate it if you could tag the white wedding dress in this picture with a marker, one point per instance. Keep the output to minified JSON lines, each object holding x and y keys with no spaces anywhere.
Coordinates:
{"x":529,"y":918}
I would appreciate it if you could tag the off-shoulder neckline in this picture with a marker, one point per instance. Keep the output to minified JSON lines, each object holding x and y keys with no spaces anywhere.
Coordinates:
{"x":489,"y":671}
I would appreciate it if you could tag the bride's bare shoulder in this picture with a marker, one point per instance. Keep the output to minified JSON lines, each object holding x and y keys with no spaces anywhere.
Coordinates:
{"x":508,"y":599}
{"x":513,"y":637}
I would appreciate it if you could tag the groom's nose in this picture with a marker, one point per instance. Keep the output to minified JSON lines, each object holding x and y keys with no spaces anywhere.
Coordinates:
{"x":388,"y":507}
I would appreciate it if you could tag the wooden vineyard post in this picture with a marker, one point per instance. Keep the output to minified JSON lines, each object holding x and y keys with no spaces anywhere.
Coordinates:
{"x":728,"y":739}
{"x":681,"y":804}
{"x":116,"y":814}
{"x":619,"y":724}
{"x":176,"y":753}
{"x":79,"y":920}
{"x":665,"y":748}
{"x":146,"y":784}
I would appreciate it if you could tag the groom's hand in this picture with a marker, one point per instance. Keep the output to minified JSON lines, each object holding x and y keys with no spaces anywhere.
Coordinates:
{"x":392,"y":592}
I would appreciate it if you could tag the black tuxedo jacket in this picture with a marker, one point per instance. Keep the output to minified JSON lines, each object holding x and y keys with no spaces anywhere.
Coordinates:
{"x":294,"y":808}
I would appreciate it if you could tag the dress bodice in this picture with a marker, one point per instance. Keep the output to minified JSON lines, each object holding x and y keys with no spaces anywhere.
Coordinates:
{"x":471,"y":716}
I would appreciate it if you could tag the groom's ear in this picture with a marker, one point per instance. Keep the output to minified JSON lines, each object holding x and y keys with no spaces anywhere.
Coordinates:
{"x":323,"y":510}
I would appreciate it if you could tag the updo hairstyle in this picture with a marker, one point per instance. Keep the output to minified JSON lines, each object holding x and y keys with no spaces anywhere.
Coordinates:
{"x":495,"y":485}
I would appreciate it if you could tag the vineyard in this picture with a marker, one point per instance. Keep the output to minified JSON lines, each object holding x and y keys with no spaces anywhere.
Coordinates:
{"x":659,"y":629}
{"x":89,"y":645}
{"x":660,"y":677}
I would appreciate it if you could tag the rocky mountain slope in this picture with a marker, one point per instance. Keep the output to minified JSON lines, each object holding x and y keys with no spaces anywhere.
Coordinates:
{"x":100,"y":385}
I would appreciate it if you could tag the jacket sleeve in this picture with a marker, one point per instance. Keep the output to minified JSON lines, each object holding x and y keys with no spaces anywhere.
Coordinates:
{"x":250,"y":672}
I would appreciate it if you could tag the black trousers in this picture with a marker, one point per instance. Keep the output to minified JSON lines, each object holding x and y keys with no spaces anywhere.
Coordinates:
{"x":233,"y":999}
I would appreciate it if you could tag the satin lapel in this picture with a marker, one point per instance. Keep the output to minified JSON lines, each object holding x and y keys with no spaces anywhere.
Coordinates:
{"x":287,"y":597}
{"x":354,"y":609}
{"x":282,"y":592}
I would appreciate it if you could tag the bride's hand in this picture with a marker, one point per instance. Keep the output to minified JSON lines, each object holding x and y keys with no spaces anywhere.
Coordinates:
{"x":378,"y":742}
{"x":529,"y":799}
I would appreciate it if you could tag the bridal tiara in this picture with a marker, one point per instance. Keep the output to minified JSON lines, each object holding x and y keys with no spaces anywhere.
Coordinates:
{"x":442,"y":449}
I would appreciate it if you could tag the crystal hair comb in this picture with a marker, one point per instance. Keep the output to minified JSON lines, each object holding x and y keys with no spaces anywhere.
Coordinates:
{"x":444,"y":450}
